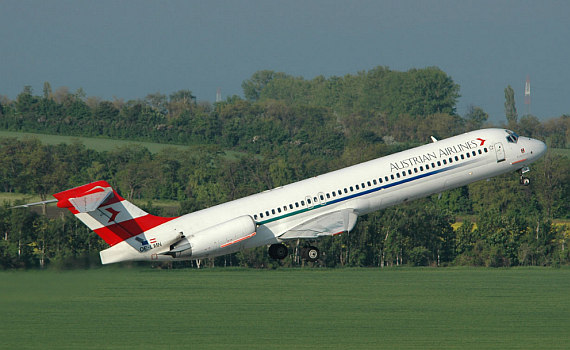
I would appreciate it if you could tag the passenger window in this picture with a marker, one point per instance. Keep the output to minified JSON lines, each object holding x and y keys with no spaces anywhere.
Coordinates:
{"x":267,"y":213}
{"x":468,"y":155}
{"x":479,"y":151}
{"x":290,"y":206}
{"x":284,"y":208}
{"x":462,"y":156}
{"x":345,"y":190}
{"x":456,"y":158}
{"x":473,"y":153}
{"x":278,"y":210}
{"x":438,"y":163}
{"x":409,"y":172}
{"x":485,"y":149}
{"x":427,"y":167}
{"x":386,"y":178}
{"x":392,"y":176}
{"x":308,"y":201}
{"x":255,"y":216}
{"x":357,"y":188}
{"x":444,"y":162}
{"x":329,"y":196}
{"x":261,"y":215}
{"x":368,"y":183}
{"x":398,"y":175}
{"x":351,"y":189}
{"x":273,"y":211}
{"x":303,"y":203}
{"x":297,"y":204}
{"x":421,"y":168}
{"x":416,"y":170}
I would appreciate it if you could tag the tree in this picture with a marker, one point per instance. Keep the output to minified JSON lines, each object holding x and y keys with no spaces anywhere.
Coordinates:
{"x":530,"y":126}
{"x":475,"y":118}
{"x":26,"y":103}
{"x":62,"y":95}
{"x":157,"y":101}
{"x":47,"y":90}
{"x":252,"y":87}
{"x":510,"y":108}
{"x":180,"y":102}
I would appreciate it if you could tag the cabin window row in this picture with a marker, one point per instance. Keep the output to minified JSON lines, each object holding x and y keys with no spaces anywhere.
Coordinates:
{"x":346,"y":190}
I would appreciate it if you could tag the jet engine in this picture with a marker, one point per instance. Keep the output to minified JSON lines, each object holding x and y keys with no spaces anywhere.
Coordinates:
{"x":214,"y":240}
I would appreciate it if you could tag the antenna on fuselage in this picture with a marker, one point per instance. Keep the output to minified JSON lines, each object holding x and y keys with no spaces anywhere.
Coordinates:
{"x":433,"y":139}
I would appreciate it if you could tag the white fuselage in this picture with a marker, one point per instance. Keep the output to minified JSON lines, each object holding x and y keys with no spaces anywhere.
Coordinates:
{"x":368,"y":186}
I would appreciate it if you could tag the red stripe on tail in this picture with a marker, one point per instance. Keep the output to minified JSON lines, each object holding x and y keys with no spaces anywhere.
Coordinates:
{"x":116,"y":233}
{"x":112,"y":232}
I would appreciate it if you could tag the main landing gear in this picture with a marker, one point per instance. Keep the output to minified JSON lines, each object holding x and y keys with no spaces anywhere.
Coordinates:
{"x":525,"y":181}
{"x":280,"y":251}
{"x":310,"y":253}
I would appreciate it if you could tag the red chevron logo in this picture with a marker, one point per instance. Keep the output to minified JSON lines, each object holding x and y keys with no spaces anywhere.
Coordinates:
{"x":482,"y":141}
{"x":113,"y":212}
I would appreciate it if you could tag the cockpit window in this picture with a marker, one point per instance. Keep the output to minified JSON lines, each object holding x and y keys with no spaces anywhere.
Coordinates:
{"x":512,"y":137}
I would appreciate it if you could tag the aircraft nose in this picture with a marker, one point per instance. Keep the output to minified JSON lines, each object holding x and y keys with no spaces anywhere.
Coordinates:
{"x":538,"y":148}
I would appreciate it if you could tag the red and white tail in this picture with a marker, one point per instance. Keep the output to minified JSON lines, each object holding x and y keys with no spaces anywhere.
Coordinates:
{"x":104,"y":211}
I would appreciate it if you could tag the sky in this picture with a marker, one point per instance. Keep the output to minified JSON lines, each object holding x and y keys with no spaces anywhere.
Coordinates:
{"x":130,"y":48}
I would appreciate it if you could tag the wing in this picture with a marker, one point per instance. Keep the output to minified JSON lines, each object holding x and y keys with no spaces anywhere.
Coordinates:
{"x":329,"y":224}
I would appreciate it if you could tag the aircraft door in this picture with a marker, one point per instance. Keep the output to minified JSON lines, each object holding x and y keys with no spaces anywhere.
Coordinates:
{"x":500,"y":151}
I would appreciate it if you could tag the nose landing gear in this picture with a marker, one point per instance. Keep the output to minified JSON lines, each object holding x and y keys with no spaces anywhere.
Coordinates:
{"x":525,"y":181}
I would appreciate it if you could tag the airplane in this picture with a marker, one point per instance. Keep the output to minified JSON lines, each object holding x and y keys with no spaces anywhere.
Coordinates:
{"x":325,"y":205}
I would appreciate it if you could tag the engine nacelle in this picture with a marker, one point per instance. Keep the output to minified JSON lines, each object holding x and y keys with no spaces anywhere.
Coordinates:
{"x":220,"y":239}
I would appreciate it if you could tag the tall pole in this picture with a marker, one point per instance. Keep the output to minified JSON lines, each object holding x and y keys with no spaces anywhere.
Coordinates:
{"x":527,"y":95}
{"x":219,"y":95}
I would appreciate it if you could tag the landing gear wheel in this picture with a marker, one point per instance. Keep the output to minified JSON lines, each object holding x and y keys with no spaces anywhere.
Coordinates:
{"x":310,"y":253}
{"x":525,"y":181}
{"x":278,"y":251}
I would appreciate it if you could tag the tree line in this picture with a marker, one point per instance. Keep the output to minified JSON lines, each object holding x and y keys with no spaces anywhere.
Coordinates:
{"x":286,"y":129}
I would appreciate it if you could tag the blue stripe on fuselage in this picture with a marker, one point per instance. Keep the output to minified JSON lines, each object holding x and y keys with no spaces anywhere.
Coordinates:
{"x":372,"y":190}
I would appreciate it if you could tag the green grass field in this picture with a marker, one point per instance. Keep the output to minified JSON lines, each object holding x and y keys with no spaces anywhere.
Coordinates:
{"x":101,"y":144}
{"x":411,"y":308}
{"x":98,"y":144}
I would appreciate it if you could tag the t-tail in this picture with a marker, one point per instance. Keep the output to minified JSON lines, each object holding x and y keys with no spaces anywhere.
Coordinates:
{"x":110,"y":216}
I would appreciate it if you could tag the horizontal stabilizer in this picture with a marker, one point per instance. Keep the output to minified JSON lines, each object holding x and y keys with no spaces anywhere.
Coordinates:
{"x":325,"y":225}
{"x":90,"y":202}
{"x":33,"y":204}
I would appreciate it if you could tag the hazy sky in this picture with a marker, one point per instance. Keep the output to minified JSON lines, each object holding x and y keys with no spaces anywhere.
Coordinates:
{"x":129,"y":49}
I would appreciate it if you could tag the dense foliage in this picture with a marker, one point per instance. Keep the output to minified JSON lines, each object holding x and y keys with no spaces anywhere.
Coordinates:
{"x":286,"y":129}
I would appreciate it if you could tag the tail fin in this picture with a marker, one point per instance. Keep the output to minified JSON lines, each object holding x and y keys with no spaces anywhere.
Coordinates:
{"x":104,"y":211}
